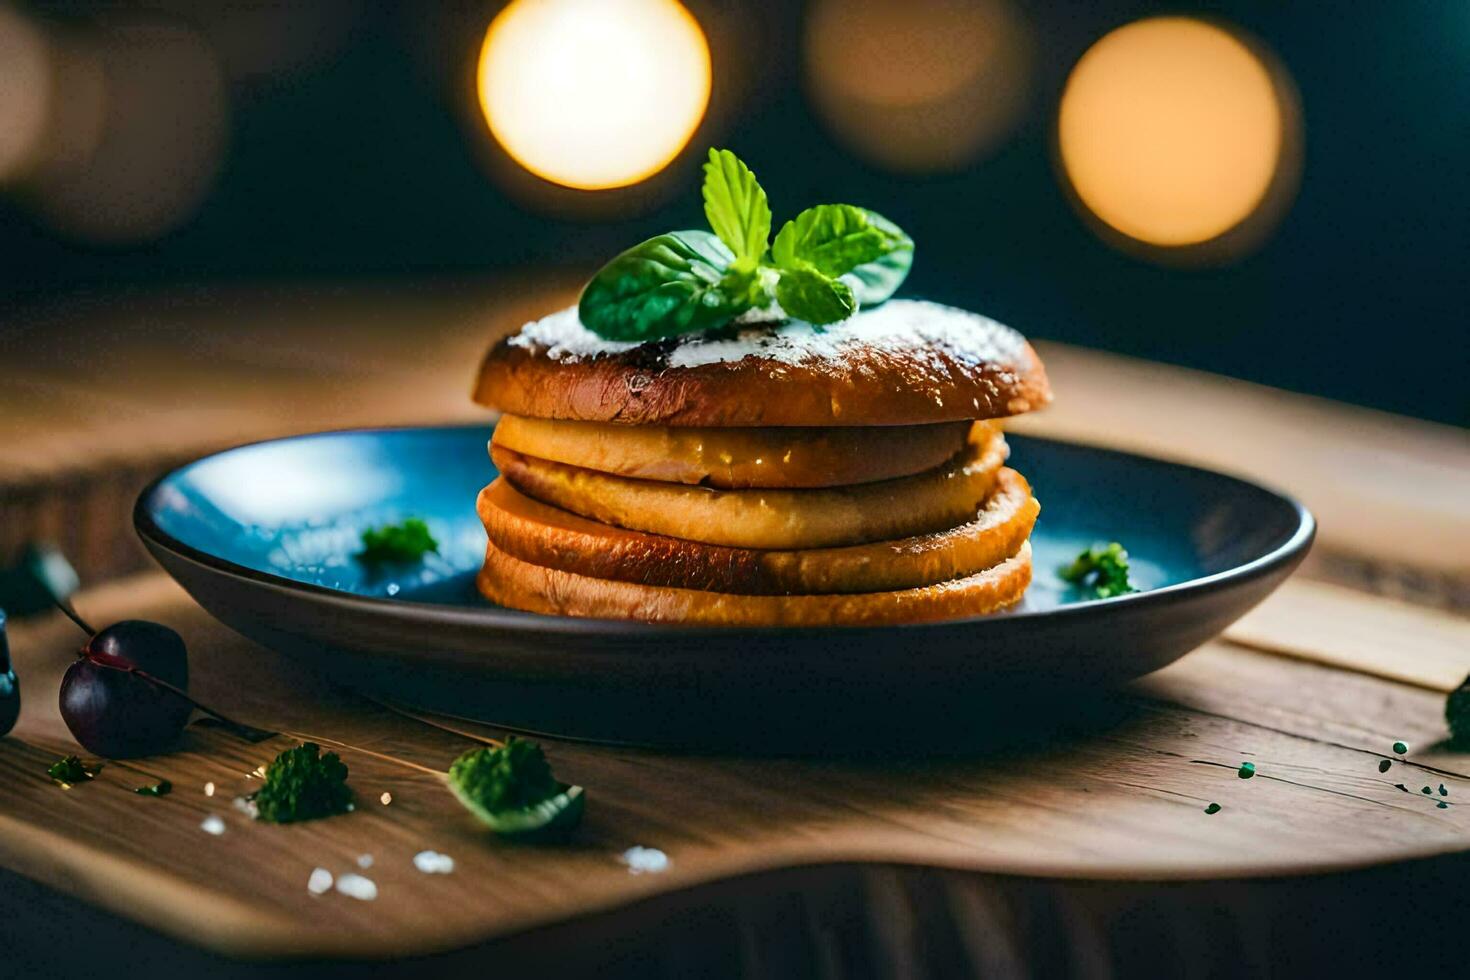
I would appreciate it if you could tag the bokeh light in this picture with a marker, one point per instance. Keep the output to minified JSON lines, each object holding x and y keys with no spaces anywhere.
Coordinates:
{"x":136,"y":132}
{"x":1172,"y":130}
{"x":25,"y":92}
{"x":918,"y":86}
{"x":594,"y":94}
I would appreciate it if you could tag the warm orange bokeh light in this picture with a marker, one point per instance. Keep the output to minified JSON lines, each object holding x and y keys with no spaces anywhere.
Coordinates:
{"x":1171,"y":130}
{"x":918,"y":86}
{"x":594,"y":94}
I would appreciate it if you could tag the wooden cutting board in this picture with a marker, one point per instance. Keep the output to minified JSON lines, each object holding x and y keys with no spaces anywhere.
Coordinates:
{"x":1119,"y":794}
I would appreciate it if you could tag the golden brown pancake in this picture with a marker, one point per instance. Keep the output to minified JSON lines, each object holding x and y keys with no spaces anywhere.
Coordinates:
{"x":728,"y":458}
{"x":934,"y":500}
{"x":521,"y":585}
{"x":543,"y":535}
{"x":905,"y":362}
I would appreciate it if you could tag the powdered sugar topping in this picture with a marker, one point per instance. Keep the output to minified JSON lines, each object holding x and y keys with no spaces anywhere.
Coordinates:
{"x":898,"y":325}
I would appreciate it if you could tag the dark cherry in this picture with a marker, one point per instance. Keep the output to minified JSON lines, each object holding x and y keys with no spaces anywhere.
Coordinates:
{"x":9,"y":686}
{"x":111,"y":699}
{"x":148,"y":646}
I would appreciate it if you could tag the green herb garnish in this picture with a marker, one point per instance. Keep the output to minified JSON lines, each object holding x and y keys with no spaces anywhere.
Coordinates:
{"x":511,"y":789}
{"x":1213,"y":808}
{"x":1246,"y":770}
{"x":1401,"y":748}
{"x":1383,"y":765}
{"x":823,"y":265}
{"x":71,"y":770}
{"x":1457,"y":714}
{"x":406,"y":541}
{"x":1101,"y":570}
{"x":161,"y":788}
{"x":302,"y":784}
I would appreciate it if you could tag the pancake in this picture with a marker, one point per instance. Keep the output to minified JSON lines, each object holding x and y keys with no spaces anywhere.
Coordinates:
{"x":521,"y":585}
{"x":905,"y":362}
{"x":539,"y":534}
{"x":731,"y":458}
{"x":934,"y":500}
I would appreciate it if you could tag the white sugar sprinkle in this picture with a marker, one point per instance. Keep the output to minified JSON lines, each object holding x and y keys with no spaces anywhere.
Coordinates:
{"x":927,"y":329}
{"x":644,"y":859}
{"x":433,"y":863}
{"x":358,"y":887}
{"x":209,"y":789}
{"x":213,"y":825}
{"x":364,"y":861}
{"x":320,"y":882}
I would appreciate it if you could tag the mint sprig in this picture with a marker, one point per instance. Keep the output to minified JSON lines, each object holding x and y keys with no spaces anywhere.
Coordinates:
{"x":825,"y":264}
{"x":736,"y":207}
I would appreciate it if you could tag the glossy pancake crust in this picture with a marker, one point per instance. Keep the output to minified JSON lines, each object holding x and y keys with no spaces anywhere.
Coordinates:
{"x":542,"y":535}
{"x":511,"y":582}
{"x":906,"y":362}
{"x":933,"y":500}
{"x":737,"y":458}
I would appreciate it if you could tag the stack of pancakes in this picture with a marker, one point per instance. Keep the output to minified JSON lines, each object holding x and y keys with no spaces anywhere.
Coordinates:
{"x":772,"y":474}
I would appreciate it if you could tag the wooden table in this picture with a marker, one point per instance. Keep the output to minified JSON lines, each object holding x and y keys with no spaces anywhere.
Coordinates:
{"x":1077,"y":840}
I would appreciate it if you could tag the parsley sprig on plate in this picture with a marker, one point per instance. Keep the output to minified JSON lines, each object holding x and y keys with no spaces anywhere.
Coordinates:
{"x":824,"y":264}
{"x":407,"y":541}
{"x":1101,"y":571}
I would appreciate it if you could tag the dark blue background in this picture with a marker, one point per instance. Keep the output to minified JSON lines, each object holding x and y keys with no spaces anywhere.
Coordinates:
{"x":371,"y":164}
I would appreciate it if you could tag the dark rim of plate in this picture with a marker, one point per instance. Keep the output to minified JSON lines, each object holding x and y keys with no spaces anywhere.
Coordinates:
{"x":1286,"y":554}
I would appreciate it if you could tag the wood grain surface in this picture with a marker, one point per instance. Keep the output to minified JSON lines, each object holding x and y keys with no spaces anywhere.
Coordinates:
{"x":1313,"y":688}
{"x":1111,"y":790}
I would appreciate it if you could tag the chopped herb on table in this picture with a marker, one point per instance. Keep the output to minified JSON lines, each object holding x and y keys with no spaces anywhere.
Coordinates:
{"x":161,"y":788}
{"x":1101,"y":571}
{"x":1213,"y":808}
{"x":71,"y":770}
{"x":511,"y":789}
{"x":1246,"y":770}
{"x":1383,"y":765}
{"x":406,"y":541}
{"x":1401,"y":748}
{"x":302,"y":784}
{"x":1457,"y":714}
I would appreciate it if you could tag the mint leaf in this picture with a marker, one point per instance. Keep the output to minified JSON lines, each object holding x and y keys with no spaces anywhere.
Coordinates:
{"x":832,"y":238}
{"x":668,"y":285}
{"x":879,"y":279}
{"x":409,"y":540}
{"x":736,"y":206}
{"x":807,"y":294}
{"x":825,"y":264}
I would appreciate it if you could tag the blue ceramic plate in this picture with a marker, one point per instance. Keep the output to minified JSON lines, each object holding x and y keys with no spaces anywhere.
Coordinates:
{"x":264,"y":536}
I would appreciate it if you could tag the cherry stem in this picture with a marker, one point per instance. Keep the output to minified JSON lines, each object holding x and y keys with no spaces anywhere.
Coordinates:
{"x":248,"y":732}
{"x":71,"y":614}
